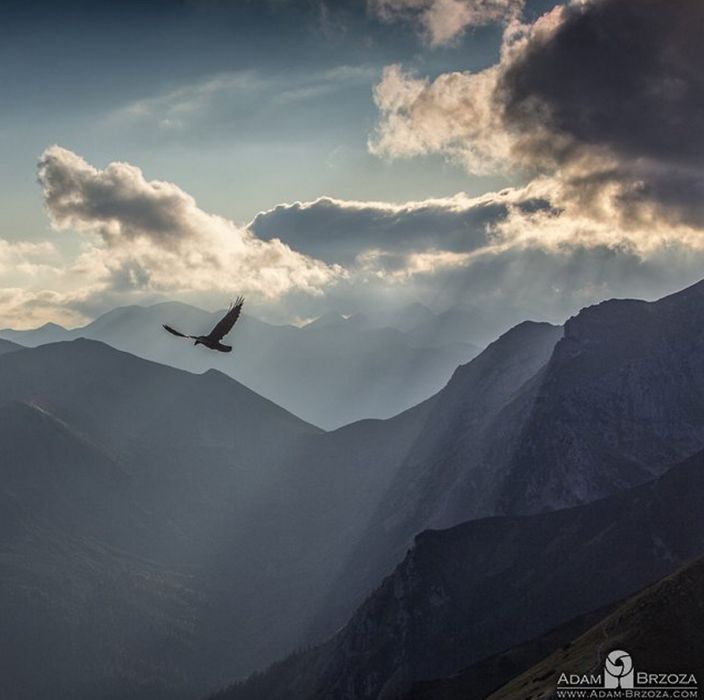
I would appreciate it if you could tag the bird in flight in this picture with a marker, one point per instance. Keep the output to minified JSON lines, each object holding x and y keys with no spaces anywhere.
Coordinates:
{"x":223,"y":327}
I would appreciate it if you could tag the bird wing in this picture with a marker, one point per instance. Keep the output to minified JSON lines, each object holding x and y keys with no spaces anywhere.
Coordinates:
{"x":224,"y":325}
{"x":173,"y":331}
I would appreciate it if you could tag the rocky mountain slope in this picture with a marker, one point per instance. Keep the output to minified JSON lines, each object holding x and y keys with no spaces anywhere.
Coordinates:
{"x":476,"y":589}
{"x":659,"y":627}
{"x":286,"y":529}
{"x":544,"y":420}
{"x":478,"y":681}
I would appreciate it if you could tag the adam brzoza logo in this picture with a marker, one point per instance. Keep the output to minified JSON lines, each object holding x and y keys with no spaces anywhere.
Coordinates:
{"x":620,"y":679}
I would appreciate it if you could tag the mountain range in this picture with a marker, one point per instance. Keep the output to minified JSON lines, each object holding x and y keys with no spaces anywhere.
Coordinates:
{"x":127,"y":483}
{"x":331,"y":372}
{"x":602,"y":411}
{"x":545,"y":418}
{"x":8,"y":346}
{"x":166,"y":532}
{"x":472,"y":591}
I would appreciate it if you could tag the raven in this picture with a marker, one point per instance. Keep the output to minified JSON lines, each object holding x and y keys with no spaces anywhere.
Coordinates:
{"x":223,"y":327}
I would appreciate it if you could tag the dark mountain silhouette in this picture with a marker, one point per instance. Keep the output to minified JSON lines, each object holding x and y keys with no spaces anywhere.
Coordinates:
{"x":285,"y":529}
{"x":479,"y":680}
{"x":135,"y":489}
{"x":8,"y":346}
{"x":73,"y":601}
{"x":533,"y":424}
{"x":331,"y":372}
{"x":660,"y":628}
{"x":471,"y":591}
{"x":229,"y":517}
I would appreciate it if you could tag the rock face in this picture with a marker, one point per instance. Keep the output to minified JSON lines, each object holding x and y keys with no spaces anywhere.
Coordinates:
{"x":478,"y":681}
{"x":620,"y":399}
{"x":543,"y":420}
{"x":472,"y":425}
{"x":468,"y":592}
{"x":659,"y":627}
{"x":617,"y":401}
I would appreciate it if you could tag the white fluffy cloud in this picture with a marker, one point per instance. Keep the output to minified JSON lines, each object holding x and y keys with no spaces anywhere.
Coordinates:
{"x":142,"y":241}
{"x":153,"y":236}
{"x":459,"y":114}
{"x":441,"y":21}
{"x":454,"y":114}
{"x":522,"y":252}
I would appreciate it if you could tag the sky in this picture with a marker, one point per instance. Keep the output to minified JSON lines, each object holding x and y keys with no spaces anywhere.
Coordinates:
{"x":522,"y":157}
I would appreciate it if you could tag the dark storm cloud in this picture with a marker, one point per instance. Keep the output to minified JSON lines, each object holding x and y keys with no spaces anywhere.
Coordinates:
{"x":617,"y":73}
{"x":605,"y":95}
{"x":159,"y":239}
{"x":616,"y":95}
{"x":339,"y":231}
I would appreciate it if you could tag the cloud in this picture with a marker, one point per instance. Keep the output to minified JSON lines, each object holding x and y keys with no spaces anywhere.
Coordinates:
{"x":245,"y":97}
{"x":454,"y":115}
{"x":599,"y":105}
{"x":441,"y":21}
{"x":606,"y":96}
{"x":611,"y":94}
{"x":340,"y":231}
{"x":505,"y":256}
{"x":23,"y":308}
{"x":142,"y":241}
{"x":613,"y":205}
{"x":155,"y":237}
{"x":27,"y":256}
{"x":610,"y":74}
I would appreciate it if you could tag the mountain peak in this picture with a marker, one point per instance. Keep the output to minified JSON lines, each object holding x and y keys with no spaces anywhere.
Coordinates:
{"x":694,"y":291}
{"x":8,"y":346}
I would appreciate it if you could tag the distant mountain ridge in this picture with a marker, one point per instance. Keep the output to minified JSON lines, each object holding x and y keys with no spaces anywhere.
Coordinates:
{"x":331,"y":372}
